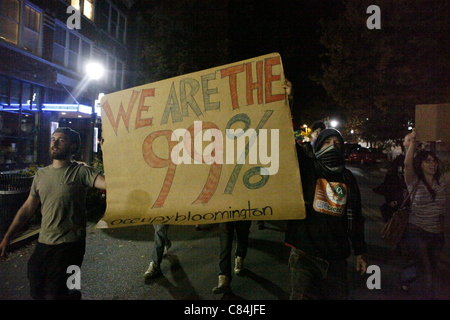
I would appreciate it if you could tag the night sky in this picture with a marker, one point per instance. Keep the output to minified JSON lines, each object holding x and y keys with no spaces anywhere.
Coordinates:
{"x":290,"y":28}
{"x":259,"y":27}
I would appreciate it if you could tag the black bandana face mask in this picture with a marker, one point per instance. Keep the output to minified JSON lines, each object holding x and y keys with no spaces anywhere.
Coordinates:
{"x":331,"y":159}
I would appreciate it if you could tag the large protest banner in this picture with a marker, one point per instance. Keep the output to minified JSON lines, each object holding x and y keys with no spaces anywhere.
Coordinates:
{"x":207,"y":147}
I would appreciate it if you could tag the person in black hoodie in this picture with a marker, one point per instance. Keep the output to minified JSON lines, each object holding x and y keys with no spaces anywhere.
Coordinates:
{"x":334,"y":224}
{"x":393,"y":188}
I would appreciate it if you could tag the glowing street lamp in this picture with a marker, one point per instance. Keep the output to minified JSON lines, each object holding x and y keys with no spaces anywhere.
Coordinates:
{"x":94,"y":71}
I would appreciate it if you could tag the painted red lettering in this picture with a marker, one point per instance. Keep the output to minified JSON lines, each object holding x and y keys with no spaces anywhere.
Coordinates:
{"x":269,"y":78}
{"x":139,"y":123}
{"x":214,"y":172}
{"x":231,"y":72}
{"x":258,"y":85}
{"x":156,"y":162}
{"x":122,"y":114}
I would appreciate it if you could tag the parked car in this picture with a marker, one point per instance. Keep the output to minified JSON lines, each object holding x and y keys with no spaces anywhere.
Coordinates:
{"x":360,"y":155}
{"x":367,"y":156}
{"x":349,"y":147}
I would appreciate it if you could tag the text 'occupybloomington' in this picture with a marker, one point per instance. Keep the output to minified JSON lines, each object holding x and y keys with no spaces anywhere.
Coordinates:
{"x":240,"y":214}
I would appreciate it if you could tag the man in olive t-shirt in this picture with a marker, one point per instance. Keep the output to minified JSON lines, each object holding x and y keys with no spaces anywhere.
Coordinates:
{"x":61,"y":189}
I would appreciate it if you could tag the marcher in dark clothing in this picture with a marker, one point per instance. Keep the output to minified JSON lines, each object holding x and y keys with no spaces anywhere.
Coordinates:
{"x":161,"y":246}
{"x":393,"y":188}
{"x":227,"y":233}
{"x":322,"y":242}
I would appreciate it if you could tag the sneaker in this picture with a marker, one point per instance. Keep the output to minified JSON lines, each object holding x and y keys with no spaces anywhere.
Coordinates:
{"x":223,"y":286}
{"x":239,"y":265}
{"x":152,"y":271}
{"x":168,"y":244}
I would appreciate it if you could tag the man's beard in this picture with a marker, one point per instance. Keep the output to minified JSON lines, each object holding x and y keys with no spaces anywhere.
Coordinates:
{"x":59,"y":154}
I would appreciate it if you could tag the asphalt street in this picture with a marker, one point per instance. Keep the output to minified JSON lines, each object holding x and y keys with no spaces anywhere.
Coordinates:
{"x":116,"y":259}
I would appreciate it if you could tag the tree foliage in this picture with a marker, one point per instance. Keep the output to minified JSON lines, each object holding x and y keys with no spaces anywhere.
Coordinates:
{"x":378,"y":76}
{"x":180,"y":37}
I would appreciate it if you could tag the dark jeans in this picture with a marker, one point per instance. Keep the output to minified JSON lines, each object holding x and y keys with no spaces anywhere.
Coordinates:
{"x":313,"y":278}
{"x":161,"y":241}
{"x":47,"y":269}
{"x":423,"y":249}
{"x":227,"y":230}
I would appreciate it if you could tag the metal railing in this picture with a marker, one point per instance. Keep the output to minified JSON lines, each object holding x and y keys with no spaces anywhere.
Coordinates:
{"x":14,"y":189}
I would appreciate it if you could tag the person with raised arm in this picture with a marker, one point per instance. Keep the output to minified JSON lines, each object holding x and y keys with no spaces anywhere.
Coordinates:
{"x":423,"y":239}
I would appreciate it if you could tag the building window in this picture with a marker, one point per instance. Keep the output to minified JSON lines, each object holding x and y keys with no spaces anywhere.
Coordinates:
{"x":9,"y":20}
{"x":15,"y":94}
{"x":18,"y":108}
{"x":86,"y":7}
{"x":4,"y":92}
{"x":70,"y":49}
{"x":115,"y":70}
{"x":111,"y":70}
{"x":85,"y":53}
{"x":119,"y":75}
{"x":59,"y":46}
{"x":20,"y":24}
{"x":30,"y":97}
{"x":74,"y":48}
{"x":31,"y":29}
{"x":112,"y":21}
{"x":17,"y":143}
{"x":121,"y":27}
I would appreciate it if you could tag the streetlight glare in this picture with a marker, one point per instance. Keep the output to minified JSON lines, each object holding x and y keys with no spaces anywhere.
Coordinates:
{"x":94,"y":70}
{"x":334,"y":123}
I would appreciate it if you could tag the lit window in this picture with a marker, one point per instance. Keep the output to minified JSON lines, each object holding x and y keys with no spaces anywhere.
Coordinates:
{"x":9,"y":20}
{"x":20,"y":24}
{"x":88,"y":9}
{"x":75,"y":4}
{"x":31,"y":29}
{"x":85,"y":6}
